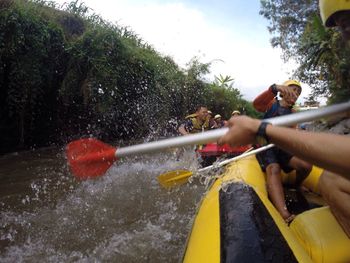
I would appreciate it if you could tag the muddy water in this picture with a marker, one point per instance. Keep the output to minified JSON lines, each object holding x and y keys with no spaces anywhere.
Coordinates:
{"x":124,"y":216}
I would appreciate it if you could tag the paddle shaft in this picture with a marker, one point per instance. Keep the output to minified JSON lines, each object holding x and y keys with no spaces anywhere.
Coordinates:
{"x":211,"y":136}
{"x":243,"y":155}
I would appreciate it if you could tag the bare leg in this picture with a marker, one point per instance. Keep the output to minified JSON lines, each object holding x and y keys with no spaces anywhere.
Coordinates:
{"x":335,"y":189}
{"x":275,"y":189}
{"x":302,"y":168}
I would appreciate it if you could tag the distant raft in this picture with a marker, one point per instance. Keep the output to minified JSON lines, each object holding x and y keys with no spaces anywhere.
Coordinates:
{"x":212,"y":149}
{"x":236,"y":222}
{"x":209,"y":153}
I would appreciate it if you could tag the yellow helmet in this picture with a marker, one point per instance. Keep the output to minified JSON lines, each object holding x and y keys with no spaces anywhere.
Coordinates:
{"x":329,"y":7}
{"x":236,"y":112}
{"x":217,"y":116}
{"x":292,"y":82}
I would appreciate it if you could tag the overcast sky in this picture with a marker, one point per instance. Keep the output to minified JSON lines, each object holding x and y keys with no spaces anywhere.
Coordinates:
{"x":231,"y":34}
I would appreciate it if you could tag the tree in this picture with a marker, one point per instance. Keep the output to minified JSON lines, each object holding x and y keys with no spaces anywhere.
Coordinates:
{"x":223,"y":98}
{"x":288,"y":20}
{"x":320,"y":52}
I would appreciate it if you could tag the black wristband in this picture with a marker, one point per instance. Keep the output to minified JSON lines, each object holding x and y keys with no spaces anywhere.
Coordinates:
{"x":274,"y":89}
{"x":261,"y":137}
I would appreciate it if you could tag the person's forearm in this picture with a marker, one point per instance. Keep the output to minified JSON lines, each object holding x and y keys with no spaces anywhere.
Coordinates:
{"x":328,"y":151}
{"x":182,"y":130}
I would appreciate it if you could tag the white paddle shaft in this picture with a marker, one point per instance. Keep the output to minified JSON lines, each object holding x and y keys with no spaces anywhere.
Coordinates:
{"x":243,"y":155}
{"x":214,"y":135}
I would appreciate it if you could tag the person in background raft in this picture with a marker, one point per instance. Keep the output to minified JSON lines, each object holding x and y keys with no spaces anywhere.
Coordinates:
{"x":329,"y":151}
{"x":273,"y":160}
{"x":210,"y":120}
{"x":219,"y":121}
{"x":196,"y":122}
{"x":235,"y":113}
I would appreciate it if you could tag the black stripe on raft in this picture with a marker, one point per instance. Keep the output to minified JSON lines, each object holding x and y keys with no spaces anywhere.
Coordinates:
{"x":247,"y":231}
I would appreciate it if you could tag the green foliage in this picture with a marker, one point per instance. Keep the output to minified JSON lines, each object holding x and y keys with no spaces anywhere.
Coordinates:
{"x":31,"y":64}
{"x":223,"y":98}
{"x":67,"y":73}
{"x":249,"y":110}
{"x":287,"y":22}
{"x":223,"y":101}
{"x":194,"y":88}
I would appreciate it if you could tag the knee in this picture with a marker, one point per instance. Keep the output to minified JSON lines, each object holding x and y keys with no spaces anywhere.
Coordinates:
{"x":304,"y":167}
{"x":273,"y":169}
{"x":332,"y":182}
{"x":328,"y":185}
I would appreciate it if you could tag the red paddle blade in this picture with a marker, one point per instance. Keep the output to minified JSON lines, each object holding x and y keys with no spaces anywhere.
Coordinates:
{"x":212,"y":149}
{"x":89,"y":158}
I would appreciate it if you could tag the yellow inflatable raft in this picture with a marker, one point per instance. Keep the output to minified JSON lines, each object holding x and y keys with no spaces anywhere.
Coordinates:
{"x":236,"y":222}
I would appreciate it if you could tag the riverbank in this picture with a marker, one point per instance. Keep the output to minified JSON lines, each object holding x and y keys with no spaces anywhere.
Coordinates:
{"x":338,"y":125}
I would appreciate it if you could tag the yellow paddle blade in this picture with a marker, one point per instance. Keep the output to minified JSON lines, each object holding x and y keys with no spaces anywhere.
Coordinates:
{"x":174,"y":178}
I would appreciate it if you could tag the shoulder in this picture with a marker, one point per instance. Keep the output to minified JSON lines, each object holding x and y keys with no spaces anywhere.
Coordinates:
{"x":191,"y":116}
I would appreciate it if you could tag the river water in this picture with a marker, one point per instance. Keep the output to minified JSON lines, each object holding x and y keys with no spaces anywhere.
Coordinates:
{"x":123,"y":216}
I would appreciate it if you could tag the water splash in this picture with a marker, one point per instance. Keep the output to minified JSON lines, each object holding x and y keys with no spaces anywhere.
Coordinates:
{"x":124,"y":216}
